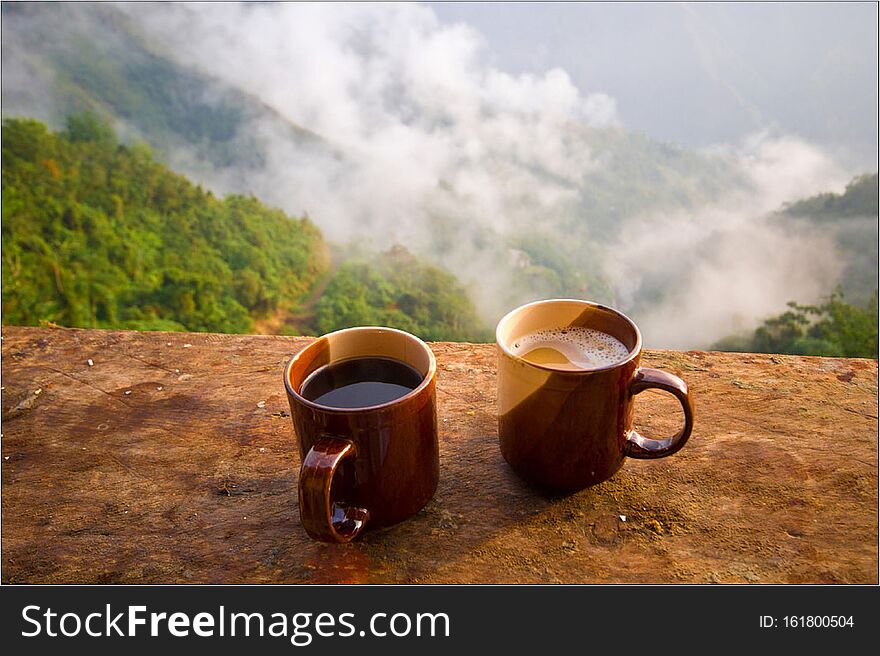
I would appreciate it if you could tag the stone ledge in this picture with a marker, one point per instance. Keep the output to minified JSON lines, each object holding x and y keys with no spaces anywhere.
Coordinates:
{"x":170,"y":459}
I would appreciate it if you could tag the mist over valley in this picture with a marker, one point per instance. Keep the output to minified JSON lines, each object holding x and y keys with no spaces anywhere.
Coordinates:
{"x":444,"y":189}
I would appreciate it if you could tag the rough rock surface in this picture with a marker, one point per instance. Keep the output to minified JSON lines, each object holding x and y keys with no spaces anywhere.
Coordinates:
{"x":171,"y":458}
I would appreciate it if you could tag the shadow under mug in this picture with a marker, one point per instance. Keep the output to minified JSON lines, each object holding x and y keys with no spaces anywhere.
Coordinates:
{"x":374,"y":465}
{"x":573,"y":429}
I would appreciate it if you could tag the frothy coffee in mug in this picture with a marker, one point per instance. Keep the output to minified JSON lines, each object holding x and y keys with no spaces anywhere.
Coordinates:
{"x":572,"y":348}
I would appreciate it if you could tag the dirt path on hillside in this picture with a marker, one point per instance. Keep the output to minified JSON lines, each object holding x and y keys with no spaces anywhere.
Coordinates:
{"x":299,"y":319}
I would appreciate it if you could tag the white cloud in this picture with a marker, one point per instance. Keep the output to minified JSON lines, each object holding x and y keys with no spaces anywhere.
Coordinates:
{"x":433,"y":133}
{"x":725,"y":267}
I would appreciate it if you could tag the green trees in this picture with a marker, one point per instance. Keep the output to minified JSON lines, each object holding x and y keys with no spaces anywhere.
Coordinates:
{"x":398,"y":290}
{"x":88,"y":127}
{"x":97,"y":234}
{"x":834,"y":328}
{"x":859,"y":199}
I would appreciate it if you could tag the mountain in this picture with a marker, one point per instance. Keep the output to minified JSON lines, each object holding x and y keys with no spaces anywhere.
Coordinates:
{"x":845,"y":322}
{"x":61,"y":58}
{"x":65,"y":58}
{"x":96,"y":234}
{"x":518,"y":195}
{"x":99,"y":234}
{"x":852,"y":220}
{"x":859,"y":200}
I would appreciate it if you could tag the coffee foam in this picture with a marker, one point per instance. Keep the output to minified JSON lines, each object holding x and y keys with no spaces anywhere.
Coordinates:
{"x":585,"y":348}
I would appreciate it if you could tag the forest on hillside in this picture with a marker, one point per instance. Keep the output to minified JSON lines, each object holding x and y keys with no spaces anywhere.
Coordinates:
{"x":99,"y":234}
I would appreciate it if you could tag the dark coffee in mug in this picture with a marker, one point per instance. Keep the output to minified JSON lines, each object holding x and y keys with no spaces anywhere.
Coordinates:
{"x":363,"y":406}
{"x":360,"y":382}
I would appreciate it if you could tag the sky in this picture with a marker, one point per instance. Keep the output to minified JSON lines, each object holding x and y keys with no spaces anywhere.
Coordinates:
{"x":704,"y":73}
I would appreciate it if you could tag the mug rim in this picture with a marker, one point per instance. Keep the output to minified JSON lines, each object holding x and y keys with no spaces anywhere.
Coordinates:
{"x":633,"y":353}
{"x":429,"y":375}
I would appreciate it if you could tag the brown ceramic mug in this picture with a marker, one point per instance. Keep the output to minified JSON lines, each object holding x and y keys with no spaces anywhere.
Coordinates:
{"x":572,"y":429}
{"x":374,"y":465}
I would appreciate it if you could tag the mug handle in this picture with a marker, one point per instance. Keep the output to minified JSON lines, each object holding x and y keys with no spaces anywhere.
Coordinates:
{"x":322,"y":519}
{"x":645,"y":447}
